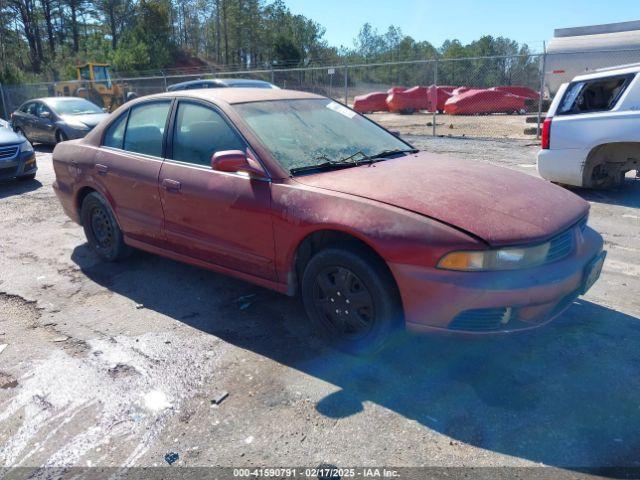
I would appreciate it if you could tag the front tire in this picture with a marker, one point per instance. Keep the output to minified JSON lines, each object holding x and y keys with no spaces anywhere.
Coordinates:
{"x":101,"y":229}
{"x":351,"y":299}
{"x":61,"y":137}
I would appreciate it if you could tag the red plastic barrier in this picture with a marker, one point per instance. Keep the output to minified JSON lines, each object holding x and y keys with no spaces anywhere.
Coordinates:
{"x":518,"y":90}
{"x":484,"y":101}
{"x":409,"y":101}
{"x":460,"y":90}
{"x":371,"y":102}
{"x":438,"y":96}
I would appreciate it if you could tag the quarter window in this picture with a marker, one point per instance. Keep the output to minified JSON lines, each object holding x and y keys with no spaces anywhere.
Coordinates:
{"x":596,"y":95}
{"x":145,"y":129}
{"x":114,"y":137}
{"x":200,"y":132}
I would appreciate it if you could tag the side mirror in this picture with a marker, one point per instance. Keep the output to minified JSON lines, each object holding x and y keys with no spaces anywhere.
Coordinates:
{"x":45,"y":114}
{"x":235,"y":161}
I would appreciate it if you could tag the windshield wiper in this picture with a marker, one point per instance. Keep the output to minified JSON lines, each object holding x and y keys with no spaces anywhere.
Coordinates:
{"x":329,"y":163}
{"x":396,"y":151}
{"x":319,"y":166}
{"x":350,"y":161}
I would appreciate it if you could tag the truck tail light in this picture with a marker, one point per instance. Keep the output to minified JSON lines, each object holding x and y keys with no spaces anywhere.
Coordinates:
{"x":546,"y":134}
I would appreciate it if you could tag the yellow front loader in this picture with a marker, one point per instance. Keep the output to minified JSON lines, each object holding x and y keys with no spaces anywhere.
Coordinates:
{"x":95,"y":84}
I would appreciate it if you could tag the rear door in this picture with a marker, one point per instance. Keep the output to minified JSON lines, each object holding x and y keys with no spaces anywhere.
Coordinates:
{"x":221,"y":218}
{"x":128,"y":164}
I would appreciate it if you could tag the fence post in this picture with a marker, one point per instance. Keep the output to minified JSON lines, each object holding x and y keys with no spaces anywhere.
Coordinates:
{"x":542,"y":74}
{"x":5,"y":109}
{"x":435,"y":107}
{"x":164,"y":78}
{"x":273,"y":76}
{"x":346,"y":85}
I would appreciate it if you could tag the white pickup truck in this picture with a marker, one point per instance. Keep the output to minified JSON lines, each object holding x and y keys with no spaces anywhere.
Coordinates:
{"x":591,"y":134}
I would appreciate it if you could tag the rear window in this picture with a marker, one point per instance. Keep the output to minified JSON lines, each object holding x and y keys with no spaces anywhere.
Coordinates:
{"x":597,"y":95}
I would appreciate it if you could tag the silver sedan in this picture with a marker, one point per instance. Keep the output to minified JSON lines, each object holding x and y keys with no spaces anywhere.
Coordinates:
{"x":56,"y":119}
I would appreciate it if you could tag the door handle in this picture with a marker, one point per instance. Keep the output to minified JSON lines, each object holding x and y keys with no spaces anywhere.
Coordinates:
{"x":102,"y":169}
{"x":171,"y":185}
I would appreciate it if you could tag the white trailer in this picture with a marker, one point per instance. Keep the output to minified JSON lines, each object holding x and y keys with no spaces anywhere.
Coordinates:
{"x":580,"y":50}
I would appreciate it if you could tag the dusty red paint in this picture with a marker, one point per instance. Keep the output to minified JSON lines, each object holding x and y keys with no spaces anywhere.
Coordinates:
{"x":410,"y":210}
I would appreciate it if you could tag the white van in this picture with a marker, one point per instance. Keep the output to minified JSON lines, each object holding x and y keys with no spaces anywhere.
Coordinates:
{"x":591,"y":135}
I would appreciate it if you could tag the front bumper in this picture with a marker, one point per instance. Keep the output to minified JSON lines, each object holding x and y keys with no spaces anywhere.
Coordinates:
{"x":494,"y":302}
{"x":21,"y":165}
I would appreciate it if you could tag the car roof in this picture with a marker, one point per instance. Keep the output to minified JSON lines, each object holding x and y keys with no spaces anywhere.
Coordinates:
{"x":244,"y":81}
{"x":193,"y":82}
{"x":238,"y":95}
{"x":51,"y":99}
{"x":609,"y":72}
{"x":217,"y":81}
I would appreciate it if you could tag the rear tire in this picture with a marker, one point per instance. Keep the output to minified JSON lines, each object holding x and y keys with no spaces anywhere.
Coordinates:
{"x":351,"y":299}
{"x":101,"y":229}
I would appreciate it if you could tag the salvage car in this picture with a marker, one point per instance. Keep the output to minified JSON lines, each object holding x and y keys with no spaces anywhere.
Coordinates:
{"x":220,"y":83}
{"x":17,"y":158}
{"x":300,"y":194}
{"x":591,"y":133}
{"x":56,"y":119}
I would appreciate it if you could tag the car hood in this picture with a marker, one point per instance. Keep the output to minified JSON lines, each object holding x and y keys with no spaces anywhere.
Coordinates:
{"x":497,"y":204}
{"x":90,"y":119}
{"x":9,"y":137}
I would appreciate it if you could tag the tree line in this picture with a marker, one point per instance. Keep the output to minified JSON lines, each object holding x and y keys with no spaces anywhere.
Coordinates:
{"x":46,"y":39}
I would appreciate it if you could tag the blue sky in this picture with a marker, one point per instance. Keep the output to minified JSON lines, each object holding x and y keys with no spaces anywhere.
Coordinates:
{"x":525,"y":21}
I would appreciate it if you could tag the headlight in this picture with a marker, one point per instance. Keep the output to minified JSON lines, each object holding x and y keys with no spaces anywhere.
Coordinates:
{"x":502,"y":259}
{"x":26,"y":147}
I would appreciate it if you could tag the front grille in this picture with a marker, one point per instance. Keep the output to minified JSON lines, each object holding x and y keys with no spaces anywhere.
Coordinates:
{"x":8,"y":152}
{"x":560,"y":246}
{"x":479,"y":320}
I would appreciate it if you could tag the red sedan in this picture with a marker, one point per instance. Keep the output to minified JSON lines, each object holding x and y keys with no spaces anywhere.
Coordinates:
{"x":298,"y":193}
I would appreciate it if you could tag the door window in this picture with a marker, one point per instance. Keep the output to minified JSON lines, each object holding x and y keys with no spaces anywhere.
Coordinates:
{"x":114,"y":136}
{"x":30,"y":108}
{"x":200,"y":132}
{"x":145,"y":129}
{"x":41,"y":108}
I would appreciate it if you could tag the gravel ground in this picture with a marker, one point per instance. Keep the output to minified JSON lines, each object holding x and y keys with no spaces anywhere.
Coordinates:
{"x":116,"y":365}
{"x":478,"y":126}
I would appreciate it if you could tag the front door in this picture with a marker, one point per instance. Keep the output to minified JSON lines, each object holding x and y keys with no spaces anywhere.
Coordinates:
{"x":222,"y":218}
{"x":44,"y":128}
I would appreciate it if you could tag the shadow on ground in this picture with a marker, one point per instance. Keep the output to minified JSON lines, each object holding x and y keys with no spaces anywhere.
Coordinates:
{"x":566,"y":395}
{"x":9,"y":188}
{"x":627,"y":195}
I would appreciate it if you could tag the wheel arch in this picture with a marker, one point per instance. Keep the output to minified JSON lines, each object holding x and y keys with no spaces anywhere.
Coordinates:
{"x":85,"y":190}
{"x":616,"y":156}
{"x":321,"y":239}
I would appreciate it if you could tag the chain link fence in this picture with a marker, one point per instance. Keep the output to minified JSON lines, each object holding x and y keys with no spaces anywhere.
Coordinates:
{"x":488,"y":97}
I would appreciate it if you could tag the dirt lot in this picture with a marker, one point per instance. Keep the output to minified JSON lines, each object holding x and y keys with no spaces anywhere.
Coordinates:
{"x":478,"y":126}
{"x":116,"y":365}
